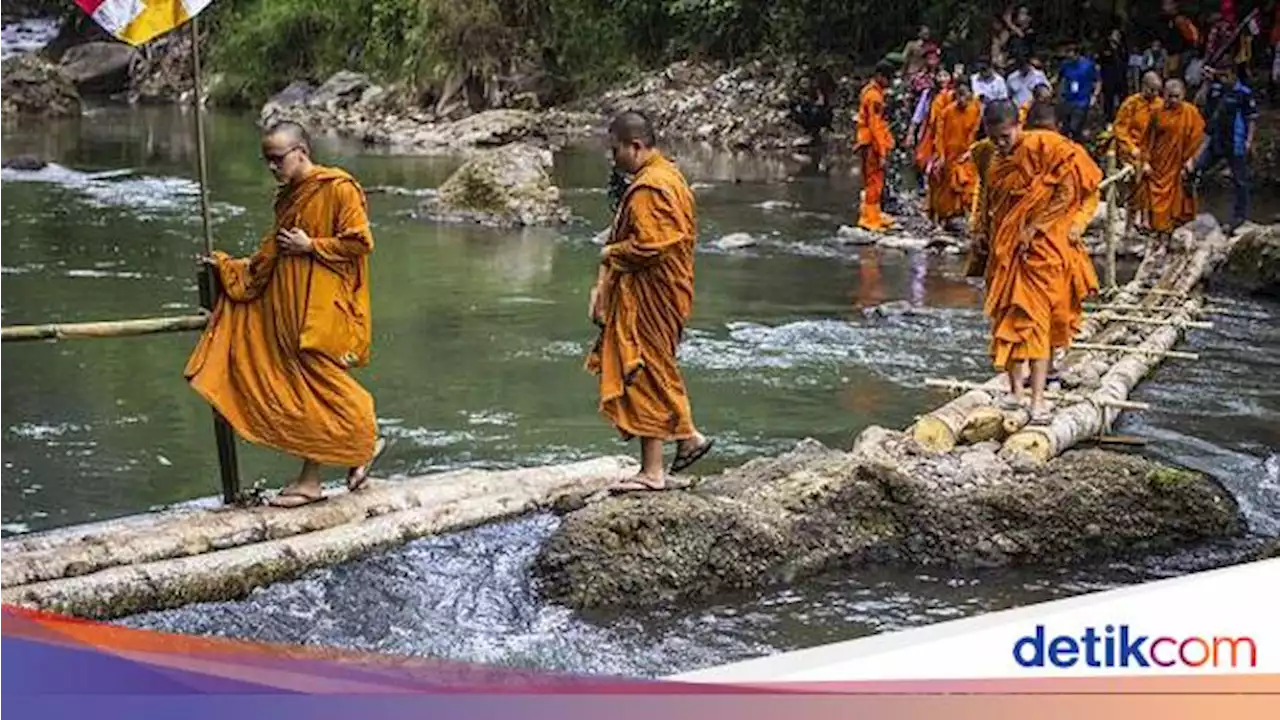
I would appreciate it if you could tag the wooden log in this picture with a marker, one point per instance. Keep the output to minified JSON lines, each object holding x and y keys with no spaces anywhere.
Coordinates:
{"x":110,"y":328}
{"x":982,"y":424}
{"x":1068,"y":397}
{"x":1134,"y":349}
{"x":939,"y":430}
{"x":156,"y":561}
{"x":1140,"y":320}
{"x":1073,"y":424}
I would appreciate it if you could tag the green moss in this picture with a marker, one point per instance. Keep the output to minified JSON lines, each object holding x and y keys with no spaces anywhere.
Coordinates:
{"x":1167,"y":477}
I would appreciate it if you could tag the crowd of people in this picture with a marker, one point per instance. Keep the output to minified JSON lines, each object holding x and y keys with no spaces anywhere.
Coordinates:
{"x":1187,"y":94}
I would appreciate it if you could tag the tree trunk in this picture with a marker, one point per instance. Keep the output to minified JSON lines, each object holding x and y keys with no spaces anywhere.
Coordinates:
{"x":163,"y":560}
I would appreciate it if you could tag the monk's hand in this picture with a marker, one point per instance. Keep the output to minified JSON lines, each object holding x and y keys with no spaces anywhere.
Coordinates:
{"x":294,"y":241}
{"x":204,"y":261}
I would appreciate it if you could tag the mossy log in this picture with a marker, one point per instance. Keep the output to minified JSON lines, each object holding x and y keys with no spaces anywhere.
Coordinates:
{"x":164,"y":560}
{"x":816,"y":510}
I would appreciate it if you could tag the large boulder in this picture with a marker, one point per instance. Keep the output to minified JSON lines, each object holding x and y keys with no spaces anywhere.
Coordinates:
{"x":503,"y":187}
{"x":343,"y":89}
{"x":1254,"y":261}
{"x":815,"y":509}
{"x":34,"y":86}
{"x":99,"y":68}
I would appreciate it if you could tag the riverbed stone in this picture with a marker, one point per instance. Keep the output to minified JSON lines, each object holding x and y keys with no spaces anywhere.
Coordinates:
{"x":1253,"y":264}
{"x":35,"y":86}
{"x":99,"y":68}
{"x":504,"y":187}
{"x":775,"y":520}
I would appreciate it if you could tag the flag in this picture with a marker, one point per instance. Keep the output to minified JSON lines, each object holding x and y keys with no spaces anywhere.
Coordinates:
{"x":138,"y":21}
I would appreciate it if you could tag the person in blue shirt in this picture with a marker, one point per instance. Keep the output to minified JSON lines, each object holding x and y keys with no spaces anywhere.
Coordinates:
{"x":1231,"y":112}
{"x":1078,"y":79}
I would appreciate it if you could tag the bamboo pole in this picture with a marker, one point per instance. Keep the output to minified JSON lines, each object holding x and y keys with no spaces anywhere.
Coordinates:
{"x":1108,"y":226}
{"x":1108,"y":182}
{"x":1122,"y":307}
{"x":1051,"y":394}
{"x":1135,"y":349}
{"x":108,"y":328}
{"x":224,"y":437}
{"x":1140,"y":320}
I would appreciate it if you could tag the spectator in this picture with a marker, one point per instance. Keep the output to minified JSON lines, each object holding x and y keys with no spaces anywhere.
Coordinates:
{"x":1180,"y":35}
{"x":988,"y":86}
{"x":1113,"y":63}
{"x":916,"y":52}
{"x":1022,"y":81}
{"x":1232,"y":119}
{"x":1156,"y":58}
{"x":1216,"y":46}
{"x":1135,"y":69}
{"x":1080,"y":88}
{"x":1021,"y":38}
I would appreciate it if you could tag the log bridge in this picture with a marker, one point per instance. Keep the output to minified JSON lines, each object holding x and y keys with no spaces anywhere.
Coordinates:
{"x":773,"y":519}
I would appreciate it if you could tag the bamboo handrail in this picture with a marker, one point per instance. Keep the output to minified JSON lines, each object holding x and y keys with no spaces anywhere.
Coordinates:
{"x":108,"y":328}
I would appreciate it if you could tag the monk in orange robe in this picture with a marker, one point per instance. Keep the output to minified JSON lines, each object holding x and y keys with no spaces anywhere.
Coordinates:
{"x":1168,"y":156}
{"x":641,"y":302}
{"x":942,"y":97}
{"x":291,"y":322}
{"x":952,"y":176}
{"x":1041,"y":93}
{"x":1033,"y":195}
{"x":873,"y":142}
{"x":1133,"y":119}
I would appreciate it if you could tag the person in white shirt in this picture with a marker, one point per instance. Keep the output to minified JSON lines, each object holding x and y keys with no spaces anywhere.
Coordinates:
{"x":988,"y":86}
{"x":1023,"y":81}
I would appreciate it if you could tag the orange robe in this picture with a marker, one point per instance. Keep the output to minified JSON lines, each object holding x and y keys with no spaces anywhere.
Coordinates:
{"x":1174,"y":137}
{"x":981,"y":153}
{"x":286,"y":329}
{"x":1084,"y":277}
{"x":1033,"y":197}
{"x":952,"y":192}
{"x":646,"y":297}
{"x":1133,"y":118}
{"x":924,"y":148}
{"x":1023,"y":110}
{"x":875,"y":141}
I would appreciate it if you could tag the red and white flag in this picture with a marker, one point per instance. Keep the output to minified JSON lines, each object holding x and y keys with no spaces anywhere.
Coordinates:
{"x":138,"y":21}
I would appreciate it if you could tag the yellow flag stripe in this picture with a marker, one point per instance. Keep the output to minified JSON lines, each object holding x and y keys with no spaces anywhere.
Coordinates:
{"x":157,"y":18}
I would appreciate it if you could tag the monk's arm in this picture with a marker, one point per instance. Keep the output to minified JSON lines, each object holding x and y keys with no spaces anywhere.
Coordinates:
{"x":654,"y":229}
{"x":243,"y":279}
{"x":353,"y":239}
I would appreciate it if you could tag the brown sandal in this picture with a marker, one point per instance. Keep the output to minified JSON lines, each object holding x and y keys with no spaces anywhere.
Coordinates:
{"x":302,"y":499}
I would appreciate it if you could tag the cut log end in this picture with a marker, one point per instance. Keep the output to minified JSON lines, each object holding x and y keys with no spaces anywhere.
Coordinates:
{"x":1030,"y":443}
{"x":1015,"y":420}
{"x":933,"y":434}
{"x":982,"y":424}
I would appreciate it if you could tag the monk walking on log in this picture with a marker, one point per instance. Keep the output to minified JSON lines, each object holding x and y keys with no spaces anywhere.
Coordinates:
{"x":1169,"y":155}
{"x":1033,"y":198}
{"x":1133,"y":120}
{"x":873,"y":142}
{"x":952,"y":176}
{"x":292,"y":320}
{"x":641,"y":301}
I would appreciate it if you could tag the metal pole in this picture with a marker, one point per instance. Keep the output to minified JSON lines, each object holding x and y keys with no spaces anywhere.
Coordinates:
{"x":1109,"y":224}
{"x":223,"y":435}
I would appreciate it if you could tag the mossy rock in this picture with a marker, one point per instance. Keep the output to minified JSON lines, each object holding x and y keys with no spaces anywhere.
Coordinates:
{"x":505,"y":187}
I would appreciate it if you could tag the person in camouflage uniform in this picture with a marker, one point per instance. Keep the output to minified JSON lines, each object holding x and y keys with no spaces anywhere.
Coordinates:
{"x":899,"y":106}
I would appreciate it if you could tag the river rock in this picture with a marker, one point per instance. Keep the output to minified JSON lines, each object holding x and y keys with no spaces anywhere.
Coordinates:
{"x":342,"y":90}
{"x":99,"y":68}
{"x":734,"y":241}
{"x":1254,"y":261}
{"x":34,"y":86}
{"x":775,"y":520}
{"x":503,"y":187}
{"x":24,"y":162}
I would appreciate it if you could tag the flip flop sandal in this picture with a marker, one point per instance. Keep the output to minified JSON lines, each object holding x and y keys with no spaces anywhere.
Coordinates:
{"x":1008,"y":403}
{"x":1041,"y":417}
{"x":634,"y":486}
{"x":362,"y":479}
{"x":683,"y":462}
{"x":305,"y":499}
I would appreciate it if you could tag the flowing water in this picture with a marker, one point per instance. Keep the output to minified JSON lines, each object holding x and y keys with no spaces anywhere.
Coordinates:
{"x":479,"y":339}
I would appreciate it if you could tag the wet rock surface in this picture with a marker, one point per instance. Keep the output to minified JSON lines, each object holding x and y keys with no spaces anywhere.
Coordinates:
{"x":1253,"y":264}
{"x":100,"y":67}
{"x":504,"y":187}
{"x":815,"y":509}
{"x":34,"y":86}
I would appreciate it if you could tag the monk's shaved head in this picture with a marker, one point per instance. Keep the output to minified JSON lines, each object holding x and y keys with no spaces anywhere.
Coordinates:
{"x":1151,"y":80}
{"x":1000,"y":119}
{"x":288,"y":132}
{"x":631,"y":141}
{"x":630,"y":127}
{"x":1174,"y":91}
{"x":1042,"y":116}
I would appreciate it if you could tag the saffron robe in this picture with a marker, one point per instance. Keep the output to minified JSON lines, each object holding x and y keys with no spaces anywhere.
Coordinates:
{"x":646,"y":297}
{"x":951,"y":190}
{"x":875,"y":141}
{"x":275,"y":357}
{"x":1173,"y":139}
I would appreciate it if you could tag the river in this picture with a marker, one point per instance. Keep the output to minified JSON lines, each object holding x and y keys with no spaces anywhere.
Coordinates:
{"x":479,"y":339}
